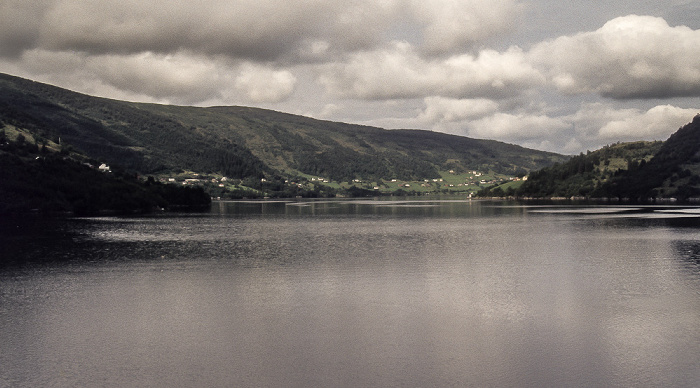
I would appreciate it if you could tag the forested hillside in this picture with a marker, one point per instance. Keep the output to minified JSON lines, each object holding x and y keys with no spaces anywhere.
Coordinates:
{"x":242,"y":142}
{"x":582,"y":175}
{"x":674,"y":171}
{"x":635,"y":171}
{"x":34,"y":178}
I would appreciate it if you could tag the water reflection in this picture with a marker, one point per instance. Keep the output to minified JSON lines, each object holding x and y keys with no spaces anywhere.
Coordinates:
{"x":378,"y":207}
{"x":355,"y":293}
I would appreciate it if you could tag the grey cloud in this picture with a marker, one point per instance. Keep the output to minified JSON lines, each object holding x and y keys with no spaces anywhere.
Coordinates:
{"x":261,"y":30}
{"x":20,"y":23}
{"x":158,"y":76}
{"x":119,"y":27}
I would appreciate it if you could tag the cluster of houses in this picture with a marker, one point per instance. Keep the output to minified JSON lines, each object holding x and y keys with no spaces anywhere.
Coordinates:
{"x":102,"y":168}
{"x":436,"y":182}
{"x":197,"y":180}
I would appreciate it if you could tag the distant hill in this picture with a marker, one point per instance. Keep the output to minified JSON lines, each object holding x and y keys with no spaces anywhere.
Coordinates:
{"x":635,"y":171}
{"x":241,"y":142}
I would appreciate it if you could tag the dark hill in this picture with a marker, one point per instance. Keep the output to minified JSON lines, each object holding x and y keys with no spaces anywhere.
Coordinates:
{"x":674,"y":171}
{"x":636,"y":171}
{"x":244,"y":142}
{"x":36,"y":179}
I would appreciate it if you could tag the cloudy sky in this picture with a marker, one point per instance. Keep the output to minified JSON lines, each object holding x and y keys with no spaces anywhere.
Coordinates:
{"x":563,"y":76}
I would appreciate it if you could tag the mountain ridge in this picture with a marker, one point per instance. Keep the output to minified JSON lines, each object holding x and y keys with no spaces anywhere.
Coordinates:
{"x":247,"y":142}
{"x":291,"y":152}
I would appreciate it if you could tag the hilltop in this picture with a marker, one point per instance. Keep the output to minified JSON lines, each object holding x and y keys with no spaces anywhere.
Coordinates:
{"x":636,"y":171}
{"x":674,"y":171}
{"x":249,"y":145}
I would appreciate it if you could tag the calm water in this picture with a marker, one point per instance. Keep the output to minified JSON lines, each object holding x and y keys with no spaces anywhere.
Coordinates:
{"x":355,"y":294}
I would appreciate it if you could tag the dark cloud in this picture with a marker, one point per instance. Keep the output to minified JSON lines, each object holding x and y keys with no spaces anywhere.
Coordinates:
{"x":263,"y":30}
{"x":20,"y":23}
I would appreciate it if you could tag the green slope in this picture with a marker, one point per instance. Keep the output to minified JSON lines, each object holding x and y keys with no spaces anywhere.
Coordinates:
{"x":243,"y":142}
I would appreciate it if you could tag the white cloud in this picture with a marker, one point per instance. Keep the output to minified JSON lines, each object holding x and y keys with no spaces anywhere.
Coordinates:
{"x":657,"y":123}
{"x":400,"y":72}
{"x":262,"y":84}
{"x":327,"y":111}
{"x":178,"y":78}
{"x":448,"y":110}
{"x":629,"y":57}
{"x":605,"y":123}
{"x":517,"y":127}
{"x":591,"y":127}
{"x":595,"y":125}
{"x":181,"y":78}
{"x":571,"y":147}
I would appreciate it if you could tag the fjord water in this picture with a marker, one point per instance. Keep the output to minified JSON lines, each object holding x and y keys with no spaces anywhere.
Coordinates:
{"x":355,"y":294}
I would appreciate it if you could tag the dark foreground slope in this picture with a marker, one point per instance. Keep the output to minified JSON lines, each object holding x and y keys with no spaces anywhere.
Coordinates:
{"x":244,"y":142}
{"x":36,"y":179}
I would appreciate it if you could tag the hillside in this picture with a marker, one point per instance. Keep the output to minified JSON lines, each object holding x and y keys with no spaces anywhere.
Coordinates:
{"x":241,"y":142}
{"x":38,"y":179}
{"x":674,"y":171}
{"x":635,"y":171}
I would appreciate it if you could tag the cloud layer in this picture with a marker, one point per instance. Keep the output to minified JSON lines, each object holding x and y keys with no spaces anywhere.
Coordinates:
{"x":400,"y":72}
{"x":446,"y":65}
{"x":629,"y":57}
{"x":248,"y":29}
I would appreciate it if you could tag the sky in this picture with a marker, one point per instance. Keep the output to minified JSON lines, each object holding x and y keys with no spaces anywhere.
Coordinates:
{"x":561,"y":76}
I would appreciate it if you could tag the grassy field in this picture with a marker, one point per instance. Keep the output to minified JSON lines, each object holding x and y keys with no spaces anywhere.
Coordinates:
{"x":448,"y":182}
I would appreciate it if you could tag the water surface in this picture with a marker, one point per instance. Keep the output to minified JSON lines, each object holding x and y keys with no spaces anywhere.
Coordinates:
{"x":355,"y":294}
